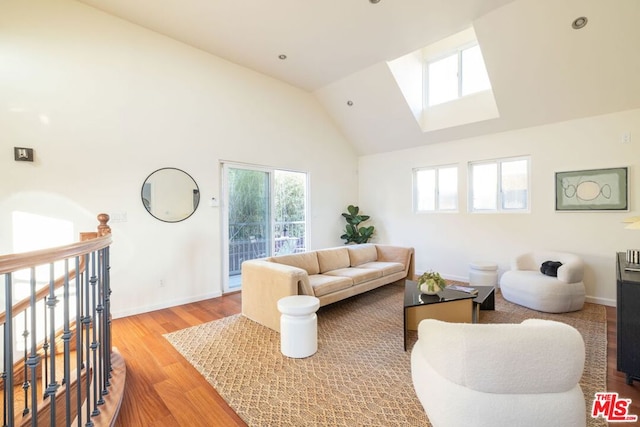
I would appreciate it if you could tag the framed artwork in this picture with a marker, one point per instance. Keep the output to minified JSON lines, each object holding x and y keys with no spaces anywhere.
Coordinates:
{"x":592,"y":190}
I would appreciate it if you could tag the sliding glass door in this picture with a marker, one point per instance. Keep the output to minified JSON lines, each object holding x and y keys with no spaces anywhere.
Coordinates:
{"x":264,"y":213}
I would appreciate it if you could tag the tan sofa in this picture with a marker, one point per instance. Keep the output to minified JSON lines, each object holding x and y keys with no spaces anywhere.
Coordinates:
{"x":328,"y":274}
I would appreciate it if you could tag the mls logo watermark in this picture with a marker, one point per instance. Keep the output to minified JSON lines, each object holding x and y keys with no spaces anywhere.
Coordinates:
{"x":612,"y":408}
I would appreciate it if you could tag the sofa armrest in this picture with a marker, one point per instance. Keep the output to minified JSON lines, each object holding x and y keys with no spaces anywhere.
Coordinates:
{"x":571,"y":272}
{"x":404,"y":255}
{"x":524,"y":262}
{"x":263,"y":284}
{"x":535,"y":356}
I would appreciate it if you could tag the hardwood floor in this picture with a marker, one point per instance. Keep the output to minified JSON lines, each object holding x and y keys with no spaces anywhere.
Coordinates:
{"x":164,"y":390}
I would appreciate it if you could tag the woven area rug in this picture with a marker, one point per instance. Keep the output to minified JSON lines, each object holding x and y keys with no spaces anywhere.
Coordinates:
{"x":360,"y":375}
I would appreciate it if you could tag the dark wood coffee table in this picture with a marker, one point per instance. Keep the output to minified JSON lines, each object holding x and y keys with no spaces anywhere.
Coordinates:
{"x":447,"y":305}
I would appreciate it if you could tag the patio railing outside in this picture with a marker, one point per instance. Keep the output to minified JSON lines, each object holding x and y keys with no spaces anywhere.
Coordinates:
{"x":251,"y":241}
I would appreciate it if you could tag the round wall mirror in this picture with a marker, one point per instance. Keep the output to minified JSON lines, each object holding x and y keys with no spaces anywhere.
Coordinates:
{"x":170,"y":195}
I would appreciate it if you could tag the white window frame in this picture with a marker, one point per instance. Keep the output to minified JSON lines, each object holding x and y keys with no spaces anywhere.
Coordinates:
{"x":458,"y":52}
{"x":499,"y":192}
{"x":436,"y":188}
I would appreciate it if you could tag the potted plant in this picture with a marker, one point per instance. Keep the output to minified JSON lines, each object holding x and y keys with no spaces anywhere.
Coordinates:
{"x":354,"y":233}
{"x":431,"y":283}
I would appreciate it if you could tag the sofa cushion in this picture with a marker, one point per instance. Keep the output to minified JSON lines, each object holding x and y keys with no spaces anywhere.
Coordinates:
{"x":386,"y":268}
{"x":358,"y":275}
{"x":332,"y":259}
{"x":361,"y":254}
{"x":307,"y":261}
{"x":324,"y":284}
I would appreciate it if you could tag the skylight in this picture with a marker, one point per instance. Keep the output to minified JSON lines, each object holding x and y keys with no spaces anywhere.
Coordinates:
{"x":446,"y":84}
{"x":456,"y":75}
{"x":474,"y":73}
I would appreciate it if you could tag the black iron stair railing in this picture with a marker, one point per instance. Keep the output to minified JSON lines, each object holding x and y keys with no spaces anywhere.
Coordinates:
{"x":67,"y":370}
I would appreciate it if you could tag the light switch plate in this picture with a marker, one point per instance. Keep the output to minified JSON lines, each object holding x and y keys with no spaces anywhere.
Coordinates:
{"x":22,"y":154}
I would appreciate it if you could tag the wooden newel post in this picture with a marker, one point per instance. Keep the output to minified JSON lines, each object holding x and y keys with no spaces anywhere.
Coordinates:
{"x":103,"y":228}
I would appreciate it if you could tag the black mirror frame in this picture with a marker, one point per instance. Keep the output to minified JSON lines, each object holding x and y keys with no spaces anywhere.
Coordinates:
{"x":196,"y":193}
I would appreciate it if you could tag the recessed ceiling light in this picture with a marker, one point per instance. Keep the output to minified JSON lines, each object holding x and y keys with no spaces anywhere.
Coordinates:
{"x":579,"y":23}
{"x":350,"y":103}
{"x":374,"y":1}
{"x":282,"y":56}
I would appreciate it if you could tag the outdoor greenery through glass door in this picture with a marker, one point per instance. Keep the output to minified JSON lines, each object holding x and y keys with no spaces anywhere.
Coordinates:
{"x":266,"y":216}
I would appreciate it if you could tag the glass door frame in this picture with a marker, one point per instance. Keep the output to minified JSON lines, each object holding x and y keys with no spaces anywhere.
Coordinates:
{"x":225,"y":167}
{"x":224,"y":217}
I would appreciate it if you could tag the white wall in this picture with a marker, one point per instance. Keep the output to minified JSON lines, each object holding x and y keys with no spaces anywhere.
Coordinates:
{"x":104,"y":103}
{"x":448,"y":242}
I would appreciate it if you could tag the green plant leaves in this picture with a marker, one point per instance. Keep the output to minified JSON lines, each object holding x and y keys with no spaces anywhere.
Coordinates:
{"x":432,"y":279}
{"x":353,"y":233}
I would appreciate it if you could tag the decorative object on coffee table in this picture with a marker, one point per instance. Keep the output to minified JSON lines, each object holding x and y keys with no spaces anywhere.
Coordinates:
{"x":431,"y":283}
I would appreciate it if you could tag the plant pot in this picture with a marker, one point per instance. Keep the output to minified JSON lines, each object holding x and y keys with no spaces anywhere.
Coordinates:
{"x":424,"y":288}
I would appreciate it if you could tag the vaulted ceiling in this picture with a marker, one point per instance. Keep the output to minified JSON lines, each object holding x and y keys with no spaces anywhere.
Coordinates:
{"x":541,"y":69}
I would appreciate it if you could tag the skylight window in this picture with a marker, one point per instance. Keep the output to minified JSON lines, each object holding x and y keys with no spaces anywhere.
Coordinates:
{"x":456,"y":75}
{"x":474,"y":73}
{"x":446,"y":83}
{"x":442,"y":80}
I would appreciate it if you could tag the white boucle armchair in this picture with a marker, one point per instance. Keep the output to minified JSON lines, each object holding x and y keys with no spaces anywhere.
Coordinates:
{"x":499,"y":375}
{"x":525,"y":285}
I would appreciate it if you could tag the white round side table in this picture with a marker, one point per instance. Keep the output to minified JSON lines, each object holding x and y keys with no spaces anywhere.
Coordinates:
{"x":298,"y":325}
{"x":483,"y":274}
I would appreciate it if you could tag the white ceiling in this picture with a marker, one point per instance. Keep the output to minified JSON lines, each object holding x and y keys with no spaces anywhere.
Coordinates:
{"x":541,"y":70}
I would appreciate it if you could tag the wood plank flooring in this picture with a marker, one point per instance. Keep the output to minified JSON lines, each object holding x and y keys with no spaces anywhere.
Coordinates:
{"x":164,"y":390}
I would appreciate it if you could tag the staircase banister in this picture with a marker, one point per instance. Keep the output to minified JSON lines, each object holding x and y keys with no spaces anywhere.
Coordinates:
{"x":67,"y":346}
{"x":15,"y":262}
{"x":25,"y":303}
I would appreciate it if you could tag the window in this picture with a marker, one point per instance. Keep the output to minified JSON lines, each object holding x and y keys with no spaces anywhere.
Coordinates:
{"x":445,"y":83}
{"x":499,"y":185}
{"x":456,"y":75}
{"x":435,"y":189}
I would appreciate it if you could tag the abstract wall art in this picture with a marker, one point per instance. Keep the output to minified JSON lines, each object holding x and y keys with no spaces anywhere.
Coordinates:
{"x":592,"y":190}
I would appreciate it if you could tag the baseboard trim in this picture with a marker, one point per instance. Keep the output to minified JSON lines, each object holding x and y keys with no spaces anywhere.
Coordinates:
{"x":457,"y":278}
{"x":165,"y":304}
{"x":602,"y":301}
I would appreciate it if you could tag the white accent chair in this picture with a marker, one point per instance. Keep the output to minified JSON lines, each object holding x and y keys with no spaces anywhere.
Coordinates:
{"x":525,"y":285}
{"x":499,"y":375}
